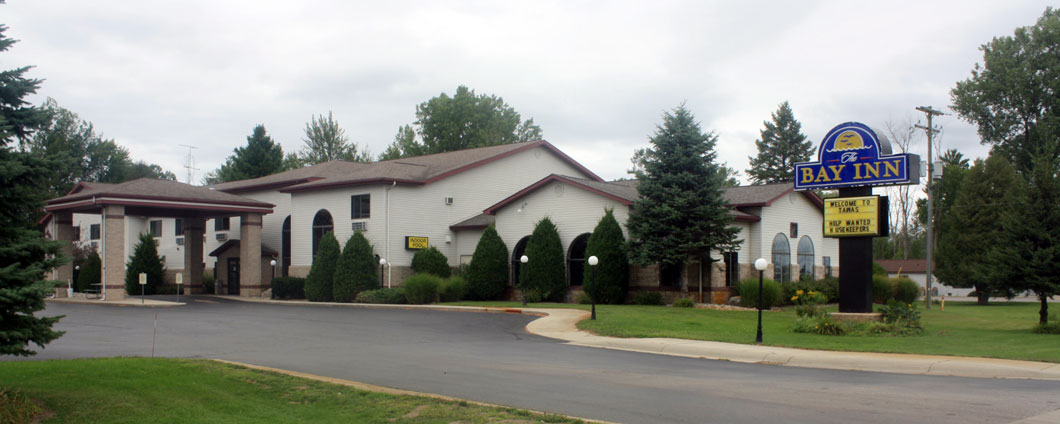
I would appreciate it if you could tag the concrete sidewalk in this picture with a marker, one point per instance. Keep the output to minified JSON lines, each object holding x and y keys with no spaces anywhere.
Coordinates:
{"x":128,"y":301}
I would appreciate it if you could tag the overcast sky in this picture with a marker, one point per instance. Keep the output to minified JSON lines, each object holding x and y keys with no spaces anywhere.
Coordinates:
{"x":596,"y":76}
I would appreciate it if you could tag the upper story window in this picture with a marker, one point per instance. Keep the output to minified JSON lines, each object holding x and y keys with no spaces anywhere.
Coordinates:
{"x":221,"y":224}
{"x":178,"y":227}
{"x":93,"y":232}
{"x":155,"y":227}
{"x":77,"y":232}
{"x":361,"y":206}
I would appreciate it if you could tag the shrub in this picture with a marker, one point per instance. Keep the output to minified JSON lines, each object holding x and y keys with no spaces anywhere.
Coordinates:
{"x":391,"y":296}
{"x":612,"y":273}
{"x":431,"y":261}
{"x":878,"y":269}
{"x":452,"y":289}
{"x":544,"y":273}
{"x":684,"y":302}
{"x":648,"y":298}
{"x":91,"y":272}
{"x":16,"y":407}
{"x":829,"y":287}
{"x":820,"y":324}
{"x":144,"y":259}
{"x":807,"y":303}
{"x":772,"y":293}
{"x":1048,"y":328}
{"x":208,"y":282}
{"x":905,"y":290}
{"x":903,"y":317}
{"x":882,"y":289}
{"x":583,"y":299}
{"x":288,"y":288}
{"x":487,"y":275}
{"x":319,"y":282}
{"x":356,"y":269}
{"x":422,"y":289}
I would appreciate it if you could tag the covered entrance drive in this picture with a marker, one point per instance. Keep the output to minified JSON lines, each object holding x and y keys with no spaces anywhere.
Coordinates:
{"x":143,"y":198}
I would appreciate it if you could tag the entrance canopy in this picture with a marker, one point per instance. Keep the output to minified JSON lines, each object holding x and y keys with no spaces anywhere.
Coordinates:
{"x":156,"y":198}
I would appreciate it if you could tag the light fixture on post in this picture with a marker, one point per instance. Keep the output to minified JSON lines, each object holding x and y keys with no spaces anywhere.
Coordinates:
{"x":760,"y":265}
{"x":522,"y":285}
{"x":593,"y":260}
{"x":382,"y":263}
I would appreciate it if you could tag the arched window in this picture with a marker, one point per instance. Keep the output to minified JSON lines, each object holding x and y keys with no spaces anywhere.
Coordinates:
{"x":576,"y":260}
{"x":322,"y":224}
{"x":520,"y":248}
{"x":805,"y":258}
{"x":285,"y":242}
{"x":781,"y":258}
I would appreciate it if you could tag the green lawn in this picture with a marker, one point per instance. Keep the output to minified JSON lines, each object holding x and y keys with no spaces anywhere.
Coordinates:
{"x":999,"y":330}
{"x":143,"y":390}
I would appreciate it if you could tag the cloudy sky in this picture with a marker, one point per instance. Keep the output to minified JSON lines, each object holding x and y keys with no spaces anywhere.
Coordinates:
{"x":596,"y":76}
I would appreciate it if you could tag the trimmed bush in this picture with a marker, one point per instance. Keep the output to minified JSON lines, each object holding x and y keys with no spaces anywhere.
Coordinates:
{"x":319,"y":282}
{"x":422,"y":289}
{"x":208,"y":283}
{"x":905,"y":290}
{"x":882,"y":289}
{"x":545,"y":275}
{"x":583,"y":299}
{"x":487,"y":275}
{"x":684,"y":302}
{"x":431,"y":261}
{"x":772,"y":293}
{"x":91,"y":272}
{"x":612,"y":273}
{"x":648,"y":298}
{"x":453,"y":289}
{"x":144,"y":259}
{"x":356,"y":269}
{"x":391,"y":296}
{"x":288,"y":288}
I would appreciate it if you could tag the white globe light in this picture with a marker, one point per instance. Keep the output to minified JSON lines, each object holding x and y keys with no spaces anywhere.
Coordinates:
{"x":761,"y":264}
{"x":524,"y":259}
{"x":593,"y":260}
{"x":272,"y":262}
{"x":382,"y":261}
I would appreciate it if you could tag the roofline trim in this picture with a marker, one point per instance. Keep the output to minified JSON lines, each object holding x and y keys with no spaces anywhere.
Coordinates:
{"x":176,"y":204}
{"x":340,"y":184}
{"x":550,"y":178}
{"x":266,"y":186}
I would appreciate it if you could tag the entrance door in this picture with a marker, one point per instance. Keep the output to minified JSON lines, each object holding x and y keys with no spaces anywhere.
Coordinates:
{"x":233,"y":276}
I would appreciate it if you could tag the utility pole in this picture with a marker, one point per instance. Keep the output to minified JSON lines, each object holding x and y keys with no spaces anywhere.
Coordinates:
{"x":189,"y":164}
{"x":931,"y":130}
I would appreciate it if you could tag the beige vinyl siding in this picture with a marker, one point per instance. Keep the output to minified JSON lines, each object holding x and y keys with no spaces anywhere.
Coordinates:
{"x":305,"y":205}
{"x":795,"y":207}
{"x":272,"y":224}
{"x":466,"y":241}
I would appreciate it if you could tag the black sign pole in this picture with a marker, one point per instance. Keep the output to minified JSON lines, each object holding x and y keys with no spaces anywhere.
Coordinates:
{"x":855,"y":265}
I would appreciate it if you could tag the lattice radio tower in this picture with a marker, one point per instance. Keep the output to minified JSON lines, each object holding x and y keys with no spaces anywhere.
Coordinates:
{"x":190,"y":163}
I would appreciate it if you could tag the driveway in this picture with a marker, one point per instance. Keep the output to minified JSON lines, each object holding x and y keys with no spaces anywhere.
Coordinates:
{"x":489,"y":357}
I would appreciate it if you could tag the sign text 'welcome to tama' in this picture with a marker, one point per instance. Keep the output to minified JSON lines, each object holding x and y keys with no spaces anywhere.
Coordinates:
{"x":852,"y":154}
{"x":854,"y":216}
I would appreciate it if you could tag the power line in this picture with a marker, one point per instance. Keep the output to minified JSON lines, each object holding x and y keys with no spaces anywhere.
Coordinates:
{"x":931,"y":131}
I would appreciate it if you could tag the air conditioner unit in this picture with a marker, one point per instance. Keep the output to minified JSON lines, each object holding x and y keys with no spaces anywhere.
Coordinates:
{"x":180,"y":241}
{"x":222,"y":236}
{"x":448,"y":200}
{"x":360,"y":226}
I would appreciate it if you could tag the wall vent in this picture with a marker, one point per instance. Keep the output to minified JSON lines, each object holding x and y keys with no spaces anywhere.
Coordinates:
{"x":180,"y":241}
{"x":448,"y":200}
{"x":222,"y":236}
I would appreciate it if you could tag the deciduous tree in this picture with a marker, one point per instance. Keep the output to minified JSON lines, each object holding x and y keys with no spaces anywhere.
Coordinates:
{"x":326,"y":141}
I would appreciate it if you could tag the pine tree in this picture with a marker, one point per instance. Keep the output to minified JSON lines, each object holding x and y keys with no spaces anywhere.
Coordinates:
{"x":145,"y":259}
{"x":681,"y":212}
{"x":260,"y":157}
{"x":18,"y":118}
{"x":487,"y":275}
{"x":609,"y":281}
{"x":91,"y":273}
{"x":321,"y":279}
{"x":544,"y":274}
{"x":356,"y":270}
{"x":781,"y":146}
{"x":963,"y":257}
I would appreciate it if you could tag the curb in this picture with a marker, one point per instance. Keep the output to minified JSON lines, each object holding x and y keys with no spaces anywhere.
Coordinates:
{"x":154,"y":304}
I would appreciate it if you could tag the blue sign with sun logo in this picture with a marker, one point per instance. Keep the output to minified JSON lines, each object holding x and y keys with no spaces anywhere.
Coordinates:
{"x":852,"y":154}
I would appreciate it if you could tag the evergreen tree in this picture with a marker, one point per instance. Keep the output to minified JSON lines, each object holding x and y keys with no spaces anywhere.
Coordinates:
{"x":544,"y":274}
{"x":260,"y":157}
{"x":145,"y":259}
{"x":326,"y":141}
{"x":321,"y":279}
{"x":1027,"y":256}
{"x":431,"y":261}
{"x":609,"y":281}
{"x":487,"y":275}
{"x":91,"y":273}
{"x":781,"y":146}
{"x":963,"y":257}
{"x":463,"y":121}
{"x":681,"y":212}
{"x":18,"y":118}
{"x":356,"y":269}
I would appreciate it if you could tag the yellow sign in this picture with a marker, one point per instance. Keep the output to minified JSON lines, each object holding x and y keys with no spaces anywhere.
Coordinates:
{"x":852,"y":216}
{"x":412,"y":242}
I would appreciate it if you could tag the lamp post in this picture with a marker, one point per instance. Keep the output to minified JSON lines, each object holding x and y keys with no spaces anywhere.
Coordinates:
{"x":593,"y":260}
{"x":522,"y":285}
{"x":760,"y":265}
{"x":382,"y":263}
{"x":272,"y":263}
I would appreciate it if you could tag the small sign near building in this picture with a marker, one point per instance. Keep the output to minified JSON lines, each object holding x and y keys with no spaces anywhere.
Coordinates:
{"x":416,"y":243}
{"x":855,"y":216}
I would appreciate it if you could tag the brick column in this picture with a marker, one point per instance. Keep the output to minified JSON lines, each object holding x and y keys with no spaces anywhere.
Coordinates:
{"x":194,"y":228}
{"x":64,"y":231}
{"x":114,"y":251}
{"x":250,"y":255}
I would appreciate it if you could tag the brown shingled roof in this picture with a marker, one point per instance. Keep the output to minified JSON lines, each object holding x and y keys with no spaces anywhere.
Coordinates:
{"x":153,"y":193}
{"x":476,"y":222}
{"x":332,"y":169}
